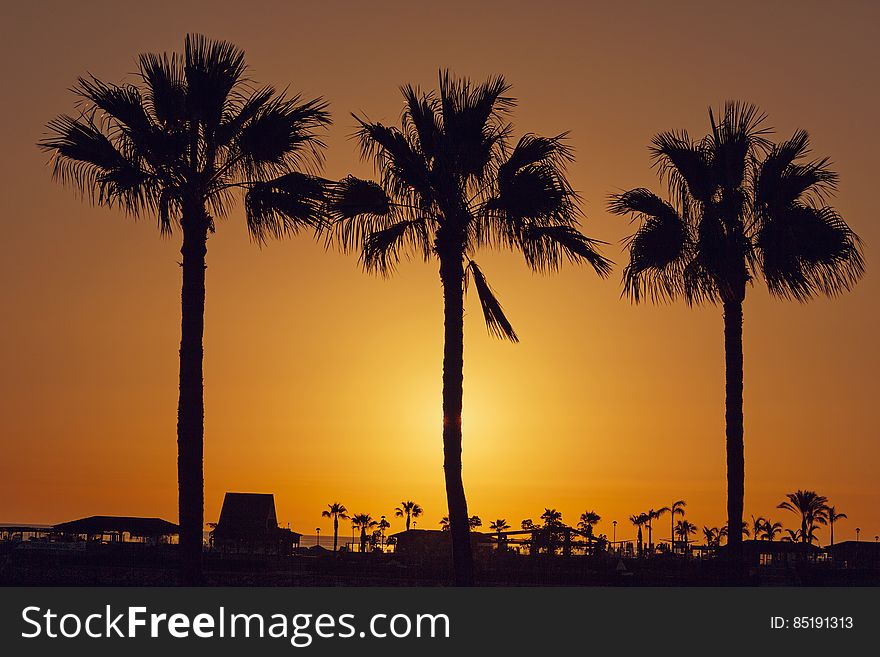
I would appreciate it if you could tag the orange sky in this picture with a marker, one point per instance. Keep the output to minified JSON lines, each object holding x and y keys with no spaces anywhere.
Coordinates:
{"x":323,"y":383}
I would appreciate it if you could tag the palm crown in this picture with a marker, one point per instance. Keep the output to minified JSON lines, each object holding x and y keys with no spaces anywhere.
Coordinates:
{"x":451,"y":180}
{"x":739,"y":206}
{"x":408,"y":510}
{"x":185,"y":134}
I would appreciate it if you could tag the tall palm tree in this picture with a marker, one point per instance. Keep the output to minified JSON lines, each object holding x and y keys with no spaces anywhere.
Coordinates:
{"x":684,"y":529}
{"x":811,"y":507}
{"x":769,"y":530}
{"x":833,"y":516}
{"x":587,"y":520}
{"x":408,"y":510}
{"x":364,"y":522}
{"x":337,"y":512}
{"x":740,"y":208}
{"x":452,"y":181}
{"x":677,"y":509}
{"x":176,"y":142}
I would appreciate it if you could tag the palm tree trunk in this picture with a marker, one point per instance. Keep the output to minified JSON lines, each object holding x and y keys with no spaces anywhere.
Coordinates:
{"x":452,"y":277}
{"x":733,"y":352}
{"x":335,"y":531}
{"x":191,"y":409}
{"x":832,"y":532}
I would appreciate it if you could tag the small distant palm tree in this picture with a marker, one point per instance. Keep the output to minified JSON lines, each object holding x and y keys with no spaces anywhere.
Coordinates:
{"x":587,"y":520}
{"x":638,"y":520}
{"x":758,"y":525}
{"x":740,"y":208}
{"x":452,"y":181}
{"x":528,"y":525}
{"x":811,"y":507}
{"x":653,"y":515}
{"x":769,"y":530}
{"x":474,"y":522}
{"x":408,"y":510}
{"x":724,"y":532}
{"x":551,"y":517}
{"x":712,"y":535}
{"x":364,"y":522}
{"x":684,"y":530}
{"x":793,"y":536}
{"x":337,"y":512}
{"x":499,"y":526}
{"x":444,"y":523}
{"x":177,"y":142}
{"x":833,"y":516}
{"x":677,"y":509}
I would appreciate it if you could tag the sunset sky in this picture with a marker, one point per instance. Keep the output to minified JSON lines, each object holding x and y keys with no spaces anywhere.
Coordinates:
{"x":322,"y":383}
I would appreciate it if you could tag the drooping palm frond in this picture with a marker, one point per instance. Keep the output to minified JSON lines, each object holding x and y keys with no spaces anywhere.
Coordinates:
{"x":382,"y":248}
{"x":658,"y":250}
{"x":496,"y":321}
{"x":806,"y":251}
{"x":85,"y":157}
{"x":358,"y":208}
{"x":282,"y":206}
{"x":282,"y":134}
{"x":685,"y":165}
{"x":546,"y":247}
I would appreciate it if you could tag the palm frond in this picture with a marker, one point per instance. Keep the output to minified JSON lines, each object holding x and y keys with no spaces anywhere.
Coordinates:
{"x":782,"y":179}
{"x":382,"y":248}
{"x":546,"y":247}
{"x":285,"y":205}
{"x":496,"y":321}
{"x":684,"y":164}
{"x":358,"y":209}
{"x":807,"y":251}
{"x":165,"y":88}
{"x":282,"y":135}
{"x":658,"y":250}
{"x":213,"y":70}
{"x":83,"y":156}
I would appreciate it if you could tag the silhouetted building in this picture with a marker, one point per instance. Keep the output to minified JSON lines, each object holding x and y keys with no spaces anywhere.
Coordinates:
{"x":426,"y":545}
{"x":855,"y":554}
{"x":114,"y":529}
{"x":778,"y":554}
{"x":248,"y":525}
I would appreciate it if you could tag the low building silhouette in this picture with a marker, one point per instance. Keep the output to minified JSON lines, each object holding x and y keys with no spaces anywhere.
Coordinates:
{"x":115,"y":529}
{"x":248,"y":525}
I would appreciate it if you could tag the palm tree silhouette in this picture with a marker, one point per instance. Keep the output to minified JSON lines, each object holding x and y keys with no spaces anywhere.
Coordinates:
{"x":769,"y":530}
{"x":363,"y":521}
{"x":498,"y":526}
{"x":833,"y":516}
{"x":527,"y":525}
{"x":551,"y":517}
{"x":409,"y":510}
{"x":338,"y":512}
{"x":177,"y":142}
{"x":451,"y":182}
{"x":653,"y":515}
{"x":587,"y":520}
{"x":740,"y":208}
{"x":677,"y":509}
{"x":474,"y":522}
{"x":812,"y":509}
{"x":712,"y":535}
{"x":684,"y":529}
{"x":638,"y":520}
{"x":444,"y":523}
{"x":758,"y":525}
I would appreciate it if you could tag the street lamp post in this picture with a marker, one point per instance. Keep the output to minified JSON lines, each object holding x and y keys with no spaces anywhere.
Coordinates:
{"x":858,"y":530}
{"x":614,"y":533}
{"x":382,"y":526}
{"x":318,"y":532}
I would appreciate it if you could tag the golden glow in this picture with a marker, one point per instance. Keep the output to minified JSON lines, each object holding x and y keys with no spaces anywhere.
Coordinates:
{"x":323,"y":383}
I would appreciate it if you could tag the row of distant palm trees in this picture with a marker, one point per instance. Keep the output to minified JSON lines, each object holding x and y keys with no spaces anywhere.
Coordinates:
{"x":192,"y":130}
{"x":336,"y":511}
